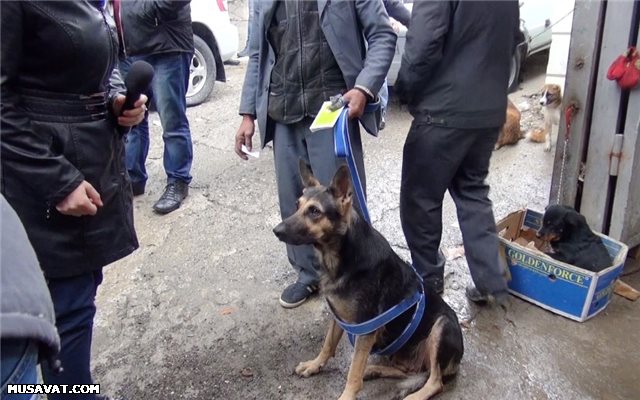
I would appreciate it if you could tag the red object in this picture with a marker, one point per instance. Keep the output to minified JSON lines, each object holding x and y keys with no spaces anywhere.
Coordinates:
{"x":626,"y":69}
{"x":568,"y":116}
{"x":221,"y":5}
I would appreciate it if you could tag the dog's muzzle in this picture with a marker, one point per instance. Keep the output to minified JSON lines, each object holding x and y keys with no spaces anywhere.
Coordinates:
{"x":280,"y":231}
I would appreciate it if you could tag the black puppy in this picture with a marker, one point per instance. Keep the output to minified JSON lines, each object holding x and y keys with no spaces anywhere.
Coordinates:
{"x":572,"y":240}
{"x":361,"y":277}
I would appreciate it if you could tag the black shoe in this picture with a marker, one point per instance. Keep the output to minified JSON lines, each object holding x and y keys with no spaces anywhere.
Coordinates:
{"x":296,"y":294}
{"x":172,"y":197}
{"x":137,"y":188}
{"x":478,"y":297}
{"x":437,"y":285}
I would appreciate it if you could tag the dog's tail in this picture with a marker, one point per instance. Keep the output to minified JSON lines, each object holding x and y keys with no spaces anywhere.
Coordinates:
{"x":536,"y":135}
{"x":411,"y":385}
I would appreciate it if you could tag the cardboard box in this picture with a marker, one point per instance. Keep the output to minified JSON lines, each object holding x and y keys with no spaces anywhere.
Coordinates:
{"x":556,"y":286}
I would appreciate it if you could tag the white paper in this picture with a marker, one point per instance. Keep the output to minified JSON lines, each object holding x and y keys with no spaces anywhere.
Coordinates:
{"x":255,"y":153}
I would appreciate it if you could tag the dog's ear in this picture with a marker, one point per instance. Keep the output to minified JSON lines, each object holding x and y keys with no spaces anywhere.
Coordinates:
{"x":308,"y":180}
{"x":341,"y":183}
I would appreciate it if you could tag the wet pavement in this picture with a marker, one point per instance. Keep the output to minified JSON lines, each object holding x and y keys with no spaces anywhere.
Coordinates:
{"x":193,"y":314}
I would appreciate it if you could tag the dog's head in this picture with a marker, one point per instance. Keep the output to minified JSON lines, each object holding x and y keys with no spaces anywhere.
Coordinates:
{"x":551,"y":96}
{"x":323,"y":213}
{"x":559,"y":221}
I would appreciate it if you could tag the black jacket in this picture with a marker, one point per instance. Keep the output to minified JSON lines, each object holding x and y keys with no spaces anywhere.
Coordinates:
{"x":57,"y":130}
{"x":456,"y":62}
{"x":156,"y":26}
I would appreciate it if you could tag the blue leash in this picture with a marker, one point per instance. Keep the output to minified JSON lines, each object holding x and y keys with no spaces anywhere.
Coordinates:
{"x":342,"y":149}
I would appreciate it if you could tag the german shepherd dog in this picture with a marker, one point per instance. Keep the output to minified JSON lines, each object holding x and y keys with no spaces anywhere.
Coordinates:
{"x":361,"y":277}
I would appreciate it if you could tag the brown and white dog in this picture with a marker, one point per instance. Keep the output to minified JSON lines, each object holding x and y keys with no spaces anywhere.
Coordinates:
{"x":510,"y":132}
{"x":551,"y":100}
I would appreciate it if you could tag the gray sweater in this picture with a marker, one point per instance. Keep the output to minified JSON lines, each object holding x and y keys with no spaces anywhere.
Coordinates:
{"x":26,"y":310}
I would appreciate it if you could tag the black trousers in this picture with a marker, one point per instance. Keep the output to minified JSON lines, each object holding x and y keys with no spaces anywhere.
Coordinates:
{"x":437,"y":159}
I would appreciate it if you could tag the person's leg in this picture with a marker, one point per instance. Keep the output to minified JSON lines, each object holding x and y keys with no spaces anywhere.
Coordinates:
{"x":324,"y":163}
{"x":170,"y":84}
{"x":169,"y":88}
{"x":74,"y":305}
{"x":470,"y":193}
{"x":431,"y":156}
{"x":289,"y":148}
{"x":18,"y":367}
{"x":245,"y":52}
{"x":137,"y":144}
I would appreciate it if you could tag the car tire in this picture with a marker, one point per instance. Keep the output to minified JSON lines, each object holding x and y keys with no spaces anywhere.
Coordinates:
{"x":202,"y":73}
{"x":514,"y":74}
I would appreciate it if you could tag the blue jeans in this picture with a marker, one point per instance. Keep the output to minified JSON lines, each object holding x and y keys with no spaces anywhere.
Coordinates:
{"x":19,"y":360}
{"x":168,"y":91}
{"x":74,"y":305}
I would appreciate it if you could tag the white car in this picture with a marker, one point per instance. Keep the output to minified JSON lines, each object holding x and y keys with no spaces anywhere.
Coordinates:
{"x":215,"y":40}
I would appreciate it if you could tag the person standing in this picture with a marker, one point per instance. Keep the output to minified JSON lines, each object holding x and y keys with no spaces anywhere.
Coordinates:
{"x":291,"y":72}
{"x":62,"y":158}
{"x":454,"y":76}
{"x":402,"y":15}
{"x":160,"y":33}
{"x":245,"y":51}
{"x":27,"y":320}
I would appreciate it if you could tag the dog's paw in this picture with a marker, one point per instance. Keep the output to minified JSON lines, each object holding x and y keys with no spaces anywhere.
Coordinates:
{"x":547,"y":147}
{"x":308,"y":368}
{"x":347,"y":396}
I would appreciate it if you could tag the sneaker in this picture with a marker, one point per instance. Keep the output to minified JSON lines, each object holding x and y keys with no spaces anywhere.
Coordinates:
{"x":174,"y":193}
{"x":296,"y":294}
{"x":478,"y":297}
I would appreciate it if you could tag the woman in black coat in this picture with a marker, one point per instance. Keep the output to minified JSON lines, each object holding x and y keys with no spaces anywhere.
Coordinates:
{"x":62,"y":157}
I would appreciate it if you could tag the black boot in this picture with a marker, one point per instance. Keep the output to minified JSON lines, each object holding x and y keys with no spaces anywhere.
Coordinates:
{"x":174,"y":193}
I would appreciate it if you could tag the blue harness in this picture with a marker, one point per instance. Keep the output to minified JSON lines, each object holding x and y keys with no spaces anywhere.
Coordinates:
{"x":343,"y":150}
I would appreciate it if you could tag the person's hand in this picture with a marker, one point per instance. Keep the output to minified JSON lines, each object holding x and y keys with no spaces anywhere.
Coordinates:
{"x":133,"y":116}
{"x":245,"y":135}
{"x":357,"y":101}
{"x":396,"y":26}
{"x":84,"y":200}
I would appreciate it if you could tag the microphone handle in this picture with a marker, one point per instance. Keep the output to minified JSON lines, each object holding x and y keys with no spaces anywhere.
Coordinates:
{"x":129,"y":101}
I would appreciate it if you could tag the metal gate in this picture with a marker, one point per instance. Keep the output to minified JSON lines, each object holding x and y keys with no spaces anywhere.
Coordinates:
{"x":600,"y":174}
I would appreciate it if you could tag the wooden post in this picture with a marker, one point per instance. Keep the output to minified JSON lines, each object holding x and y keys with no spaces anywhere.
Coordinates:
{"x":608,"y":104}
{"x":582,"y":68}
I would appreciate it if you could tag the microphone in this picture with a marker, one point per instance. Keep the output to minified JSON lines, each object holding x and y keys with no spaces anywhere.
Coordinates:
{"x":137,"y":82}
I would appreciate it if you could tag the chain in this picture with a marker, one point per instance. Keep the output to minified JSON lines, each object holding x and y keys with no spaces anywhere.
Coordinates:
{"x":562,"y":167}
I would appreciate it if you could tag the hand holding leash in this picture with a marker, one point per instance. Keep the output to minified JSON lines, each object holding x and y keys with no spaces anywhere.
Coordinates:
{"x":356,"y":101}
